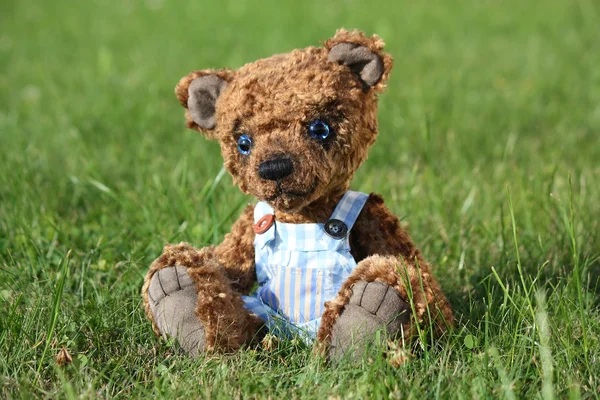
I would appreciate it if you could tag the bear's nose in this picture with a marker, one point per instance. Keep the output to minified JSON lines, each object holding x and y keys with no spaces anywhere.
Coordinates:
{"x":275,"y":168}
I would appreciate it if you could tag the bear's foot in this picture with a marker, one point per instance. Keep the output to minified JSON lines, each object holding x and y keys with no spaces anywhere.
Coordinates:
{"x":373,"y":306}
{"x":172,"y":297}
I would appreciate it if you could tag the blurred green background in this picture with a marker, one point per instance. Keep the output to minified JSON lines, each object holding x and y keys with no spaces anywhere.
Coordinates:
{"x":488,"y":102}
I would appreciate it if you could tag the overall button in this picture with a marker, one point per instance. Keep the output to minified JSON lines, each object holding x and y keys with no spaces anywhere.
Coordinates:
{"x":263,"y":224}
{"x":336,"y":229}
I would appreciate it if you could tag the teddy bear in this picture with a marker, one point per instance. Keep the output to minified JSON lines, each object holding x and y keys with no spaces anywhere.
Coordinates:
{"x":312,"y":258}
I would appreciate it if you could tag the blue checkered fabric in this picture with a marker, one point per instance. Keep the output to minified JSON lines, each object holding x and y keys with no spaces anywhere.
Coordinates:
{"x":299,"y":267}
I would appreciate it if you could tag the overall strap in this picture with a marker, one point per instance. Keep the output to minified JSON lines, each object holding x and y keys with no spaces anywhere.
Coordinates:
{"x":345,"y":214}
{"x":264,"y":226}
{"x":261,"y":209}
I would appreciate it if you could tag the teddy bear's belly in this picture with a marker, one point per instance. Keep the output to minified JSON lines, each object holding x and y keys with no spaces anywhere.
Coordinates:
{"x":296,"y":292}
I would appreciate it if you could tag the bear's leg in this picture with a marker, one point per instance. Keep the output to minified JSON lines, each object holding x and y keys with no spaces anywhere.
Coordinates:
{"x":376,"y":298}
{"x":187,"y":296}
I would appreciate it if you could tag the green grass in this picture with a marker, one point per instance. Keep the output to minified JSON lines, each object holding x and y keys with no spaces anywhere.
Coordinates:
{"x":489,"y":151}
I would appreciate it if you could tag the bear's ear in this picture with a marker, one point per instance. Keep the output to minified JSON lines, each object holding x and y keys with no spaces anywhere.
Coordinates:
{"x":198,"y":93}
{"x":363,"y":55}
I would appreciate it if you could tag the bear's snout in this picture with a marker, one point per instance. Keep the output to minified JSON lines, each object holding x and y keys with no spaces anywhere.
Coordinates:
{"x":276,"y":168}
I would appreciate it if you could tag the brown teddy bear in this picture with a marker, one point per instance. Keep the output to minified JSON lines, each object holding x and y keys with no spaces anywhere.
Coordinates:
{"x":325,"y":262}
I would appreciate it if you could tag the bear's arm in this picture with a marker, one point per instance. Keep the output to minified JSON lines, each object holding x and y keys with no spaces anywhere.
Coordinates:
{"x":378,"y":231}
{"x":236,"y":253}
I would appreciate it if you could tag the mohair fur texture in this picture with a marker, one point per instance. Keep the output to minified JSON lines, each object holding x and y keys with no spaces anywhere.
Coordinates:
{"x":272,"y":101}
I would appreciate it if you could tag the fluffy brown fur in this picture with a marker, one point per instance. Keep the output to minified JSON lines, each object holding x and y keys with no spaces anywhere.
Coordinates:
{"x":273,"y":100}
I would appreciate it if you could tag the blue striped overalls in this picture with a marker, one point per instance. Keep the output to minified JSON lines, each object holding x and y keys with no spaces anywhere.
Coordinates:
{"x":301,"y":266}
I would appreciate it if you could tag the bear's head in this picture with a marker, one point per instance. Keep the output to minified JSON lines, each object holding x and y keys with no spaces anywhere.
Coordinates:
{"x":293,"y":128}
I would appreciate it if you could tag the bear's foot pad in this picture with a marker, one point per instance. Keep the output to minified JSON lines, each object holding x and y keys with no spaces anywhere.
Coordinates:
{"x":173,"y":298}
{"x":373,"y":306}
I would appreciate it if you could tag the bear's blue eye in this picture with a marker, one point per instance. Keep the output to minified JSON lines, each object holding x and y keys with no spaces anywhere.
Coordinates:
{"x":244,"y":144}
{"x":319,"y":130}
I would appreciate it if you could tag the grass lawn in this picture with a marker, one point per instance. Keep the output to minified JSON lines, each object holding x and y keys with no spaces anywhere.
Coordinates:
{"x":489,"y":151}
